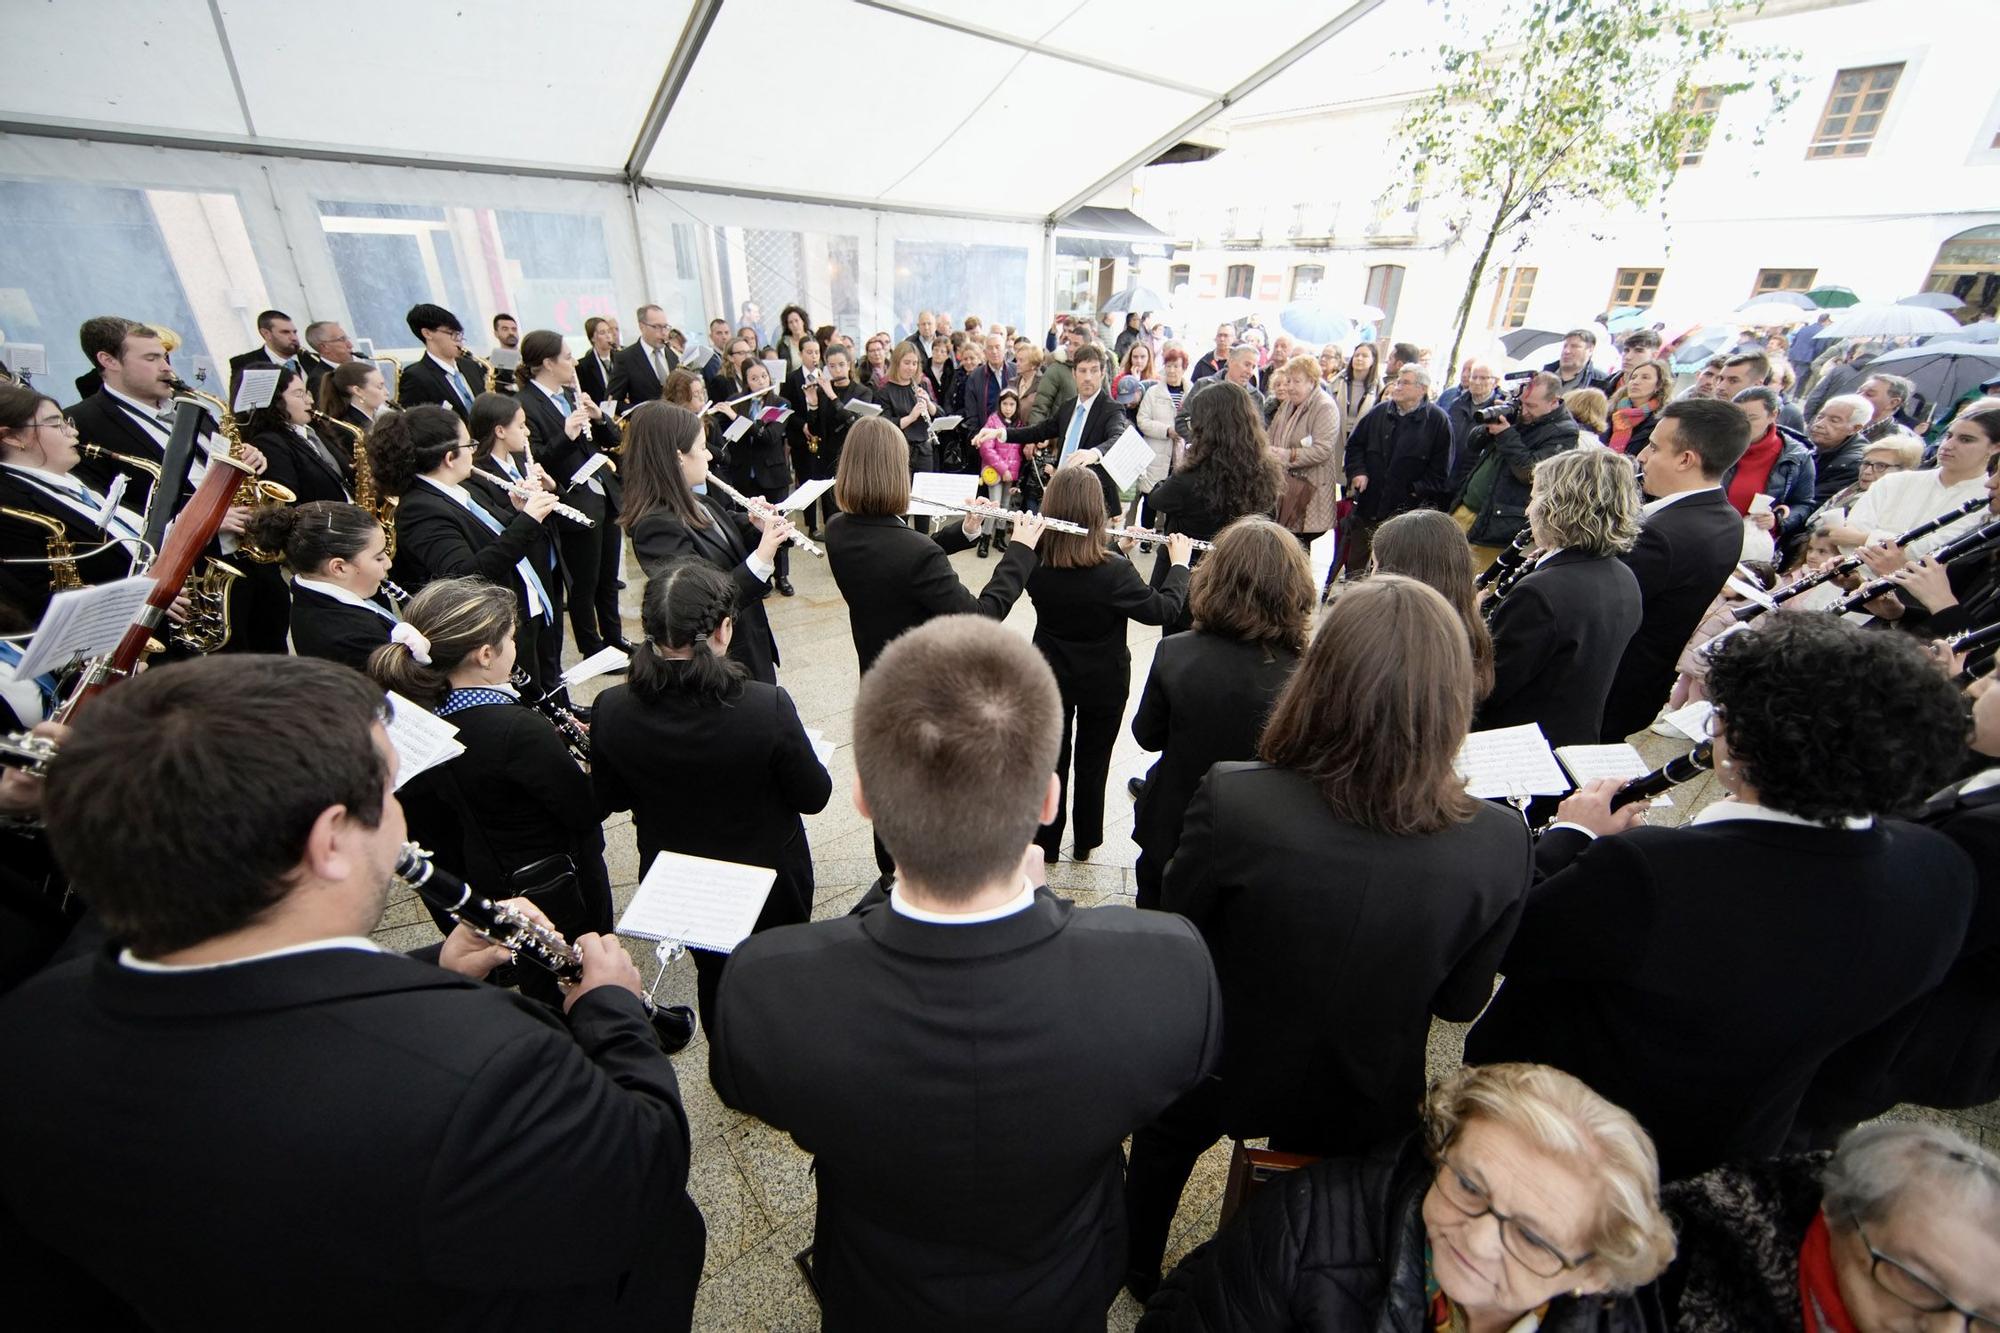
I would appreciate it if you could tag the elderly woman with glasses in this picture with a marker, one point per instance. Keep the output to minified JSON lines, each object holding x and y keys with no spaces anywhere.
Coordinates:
{"x":1526,"y":1202}
{"x":1897,"y":1232}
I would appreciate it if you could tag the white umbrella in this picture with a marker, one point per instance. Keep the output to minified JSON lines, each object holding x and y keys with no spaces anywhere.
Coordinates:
{"x":1871,"y":319}
{"x":1933,"y":301}
{"x":1769,"y":314}
{"x":1797,"y":300}
{"x":1366,"y":314}
{"x":1138,"y":299}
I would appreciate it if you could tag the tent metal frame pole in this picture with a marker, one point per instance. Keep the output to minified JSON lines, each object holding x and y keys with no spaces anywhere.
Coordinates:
{"x":679,"y":65}
{"x":1312,"y":41}
{"x":918,"y":15}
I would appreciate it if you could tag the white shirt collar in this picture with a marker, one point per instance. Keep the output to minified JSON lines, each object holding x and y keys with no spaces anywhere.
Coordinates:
{"x":1980,"y":782}
{"x":448,"y":367}
{"x":128,"y":959}
{"x":1734,"y":809}
{"x":1655,"y":506}
{"x":1083,"y":404}
{"x":62,"y":481}
{"x":1548,"y":556}
{"x":333,"y":590}
{"x":151,"y":414}
{"x":1020,"y":902}
{"x":550,"y":394}
{"x":458,"y":493}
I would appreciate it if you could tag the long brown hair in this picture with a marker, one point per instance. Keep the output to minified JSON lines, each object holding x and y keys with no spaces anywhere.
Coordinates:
{"x":1256,"y":586}
{"x":1376,"y":712}
{"x":873,"y":475}
{"x":1073,"y":495}
{"x":656,"y":435}
{"x":1427,"y":546}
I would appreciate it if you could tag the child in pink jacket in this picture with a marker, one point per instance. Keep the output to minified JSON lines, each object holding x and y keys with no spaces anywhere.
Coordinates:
{"x":1003,"y":458}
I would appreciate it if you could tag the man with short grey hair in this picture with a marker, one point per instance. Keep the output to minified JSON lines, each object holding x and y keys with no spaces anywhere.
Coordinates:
{"x":1839,"y":439}
{"x":1541,"y":428}
{"x":1240,"y":369}
{"x":330,"y":347}
{"x":1886,"y":394}
{"x":1398,"y":458}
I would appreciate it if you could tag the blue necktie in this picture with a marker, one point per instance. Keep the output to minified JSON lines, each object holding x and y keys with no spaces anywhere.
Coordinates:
{"x":562,"y":401}
{"x":527,"y":569}
{"x":463,"y":389}
{"x":1075,"y":436}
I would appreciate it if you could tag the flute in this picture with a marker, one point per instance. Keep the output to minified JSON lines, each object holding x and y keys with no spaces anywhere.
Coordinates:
{"x":1945,"y":554}
{"x":1148,"y":537}
{"x":1144,"y":536}
{"x":731,"y":402}
{"x":797,"y":538}
{"x":1848,"y":564}
{"x":570,"y":512}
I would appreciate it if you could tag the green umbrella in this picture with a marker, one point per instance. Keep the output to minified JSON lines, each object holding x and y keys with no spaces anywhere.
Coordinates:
{"x":1833,"y":298}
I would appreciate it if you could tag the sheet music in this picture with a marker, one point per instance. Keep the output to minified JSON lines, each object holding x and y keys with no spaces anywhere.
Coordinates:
{"x":1510,"y":761}
{"x":1322,"y":552}
{"x":590,"y":468}
{"x":775,"y":368}
{"x":945,"y":423}
{"x":599,"y":662}
{"x":1692,"y":720}
{"x":737,"y":429}
{"x":258,"y":386}
{"x":805,"y":495}
{"x":1751,"y":592}
{"x":861,"y":407}
{"x":774,"y":413}
{"x":702,"y":903}
{"x":951,"y":487}
{"x":83,"y":622}
{"x":822,"y":747}
{"x":1586,"y":762}
{"x":26,"y":358}
{"x":1127,"y":457}
{"x":1817,"y":599}
{"x":421,"y":738}
{"x":506,"y":358}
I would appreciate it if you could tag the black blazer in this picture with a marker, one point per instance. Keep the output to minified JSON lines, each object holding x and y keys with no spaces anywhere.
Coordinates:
{"x":591,"y":376}
{"x":102,"y":421}
{"x":27,"y":586}
{"x":276,"y":1193}
{"x":1101,"y":429}
{"x":437,"y":539}
{"x":1080,"y":617}
{"x":659,"y":538}
{"x":550,"y":446}
{"x":1557,"y":639}
{"x":294,"y":463}
{"x":545,"y":551}
{"x":750,"y":774}
{"x":1313,"y":920}
{"x":894,"y":578}
{"x":1205,"y":701}
{"x":632,"y":378}
{"x":421,"y":381}
{"x":354,"y":416}
{"x":1685,"y":553}
{"x":256,"y":358}
{"x":918,"y":1063}
{"x":334,"y":630}
{"x":1698,"y":976}
{"x":759,"y":460}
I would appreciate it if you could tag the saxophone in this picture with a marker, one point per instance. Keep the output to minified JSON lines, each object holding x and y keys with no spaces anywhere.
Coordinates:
{"x":366,"y":493}
{"x":252,"y":490}
{"x":207,"y":593}
{"x":63,"y":576}
{"x":116,"y":459}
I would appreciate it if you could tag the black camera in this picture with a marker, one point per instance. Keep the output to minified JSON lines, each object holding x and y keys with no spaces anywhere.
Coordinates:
{"x":1507,"y":409}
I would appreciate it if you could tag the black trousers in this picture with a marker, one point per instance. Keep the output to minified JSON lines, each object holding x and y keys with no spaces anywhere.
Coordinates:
{"x":590,"y":565}
{"x":1090,"y":731}
{"x":1163,"y":1157}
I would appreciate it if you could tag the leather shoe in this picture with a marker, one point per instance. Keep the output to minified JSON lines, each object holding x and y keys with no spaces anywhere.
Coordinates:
{"x":1137,"y":786}
{"x":785,"y":588}
{"x":674,"y":1025}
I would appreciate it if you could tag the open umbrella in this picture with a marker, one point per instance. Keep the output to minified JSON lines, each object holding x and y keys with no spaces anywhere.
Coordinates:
{"x":1628,"y":317}
{"x":1797,"y":299}
{"x":1366,"y":314}
{"x":1521,"y":344}
{"x":1933,"y":301}
{"x":1833,"y":298}
{"x":1943,"y":372}
{"x":1985,"y":331}
{"x":1136,"y":298}
{"x":1315,"y":322}
{"x":1698,"y":345}
{"x":1874,"y":320}
{"x":1772,"y":314}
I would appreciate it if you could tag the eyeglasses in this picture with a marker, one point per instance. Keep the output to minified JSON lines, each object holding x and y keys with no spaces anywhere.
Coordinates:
{"x":1918,"y":1294}
{"x":1875,"y":465}
{"x":661,"y":325}
{"x":1526,"y":1248}
{"x":60,"y":423}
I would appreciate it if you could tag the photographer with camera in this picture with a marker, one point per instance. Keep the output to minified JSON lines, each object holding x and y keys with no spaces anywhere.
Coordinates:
{"x":1492,"y":504}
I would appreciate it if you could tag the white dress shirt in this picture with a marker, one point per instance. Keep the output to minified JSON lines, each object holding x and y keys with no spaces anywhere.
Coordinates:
{"x":128,"y":959}
{"x":1020,"y":902}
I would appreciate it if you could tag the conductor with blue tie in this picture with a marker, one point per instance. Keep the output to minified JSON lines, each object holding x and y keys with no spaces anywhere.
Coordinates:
{"x":1087,"y":424}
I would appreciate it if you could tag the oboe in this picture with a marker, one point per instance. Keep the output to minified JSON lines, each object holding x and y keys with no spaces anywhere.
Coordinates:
{"x":798,"y":539}
{"x":1945,"y":554}
{"x":572,"y":731}
{"x":1848,"y":564}
{"x":1683,"y":768}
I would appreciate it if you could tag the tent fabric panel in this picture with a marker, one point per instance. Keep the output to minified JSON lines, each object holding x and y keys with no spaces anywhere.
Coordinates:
{"x":141,"y":63}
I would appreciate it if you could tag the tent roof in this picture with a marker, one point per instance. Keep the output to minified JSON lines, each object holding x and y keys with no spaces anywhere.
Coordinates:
{"x":920,"y":105}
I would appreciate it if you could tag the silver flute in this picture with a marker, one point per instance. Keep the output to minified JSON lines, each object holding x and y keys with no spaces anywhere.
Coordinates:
{"x":1143,"y":536}
{"x":760,"y":506}
{"x":570,"y":512}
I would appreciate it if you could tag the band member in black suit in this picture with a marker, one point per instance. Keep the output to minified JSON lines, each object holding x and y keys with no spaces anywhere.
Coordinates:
{"x":1559,"y":633}
{"x":1699,"y":976}
{"x":338,"y":558}
{"x":669,"y":516}
{"x":1086,"y":425}
{"x":593,"y":368}
{"x":279,"y":346}
{"x":1211,"y":688}
{"x":757,"y":461}
{"x":501,"y":461}
{"x":758,"y":772}
{"x":1083,"y":598}
{"x":953,"y":1001}
{"x":132,"y":412}
{"x":514,"y":812}
{"x":245,"y":1010}
{"x":567,"y":434}
{"x":1353,"y":840}
{"x":354,"y":393}
{"x":299,"y":458}
{"x":639,"y":372}
{"x":906,"y":403}
{"x":42,"y":501}
{"x":446,"y":374}
{"x":815,"y":409}
{"x":1690,"y":538}
{"x":446,"y":529}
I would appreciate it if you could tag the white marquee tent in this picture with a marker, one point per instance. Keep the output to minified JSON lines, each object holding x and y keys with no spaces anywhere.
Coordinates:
{"x":193,"y":161}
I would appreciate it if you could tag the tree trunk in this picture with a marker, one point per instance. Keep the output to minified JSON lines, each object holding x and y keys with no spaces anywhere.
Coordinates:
{"x":1471,"y":295}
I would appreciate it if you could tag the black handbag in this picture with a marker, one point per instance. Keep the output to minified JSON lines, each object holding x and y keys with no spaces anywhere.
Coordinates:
{"x":550,"y":884}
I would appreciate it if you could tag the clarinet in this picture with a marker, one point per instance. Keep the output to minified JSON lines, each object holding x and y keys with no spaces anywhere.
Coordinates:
{"x":1507,"y":569}
{"x":1945,"y":554}
{"x":1848,"y":564}
{"x":1684,"y":768}
{"x":798,"y":539}
{"x":572,"y":731}
{"x":395,"y":593}
{"x":1973,"y":642}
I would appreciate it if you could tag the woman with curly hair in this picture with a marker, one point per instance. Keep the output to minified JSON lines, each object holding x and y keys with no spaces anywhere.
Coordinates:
{"x":1699,"y":976}
{"x":1228,"y":472}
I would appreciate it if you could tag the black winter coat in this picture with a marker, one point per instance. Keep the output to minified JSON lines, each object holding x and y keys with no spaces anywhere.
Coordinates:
{"x":1520,"y":448}
{"x":1338,"y":1247}
{"x":1739,"y":1229}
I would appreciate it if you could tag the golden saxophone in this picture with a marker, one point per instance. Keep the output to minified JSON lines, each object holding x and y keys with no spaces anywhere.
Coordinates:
{"x":366,"y":493}
{"x":61,"y":559}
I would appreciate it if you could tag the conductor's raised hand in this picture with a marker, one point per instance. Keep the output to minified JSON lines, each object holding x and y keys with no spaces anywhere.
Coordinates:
{"x":605,"y":963}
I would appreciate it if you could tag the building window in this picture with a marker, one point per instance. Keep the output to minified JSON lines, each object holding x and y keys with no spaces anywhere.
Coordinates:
{"x":1306,"y":279}
{"x":1784,"y":280}
{"x":1636,"y":287}
{"x":1512,"y":291}
{"x":1853,"y":115}
{"x":1385,"y":288}
{"x":1242,"y":277}
{"x":1177,"y":278}
{"x":1707,"y":101}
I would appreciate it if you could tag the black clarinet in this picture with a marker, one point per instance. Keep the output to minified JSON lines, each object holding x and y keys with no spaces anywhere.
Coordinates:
{"x":1683,"y":768}
{"x":1944,"y":555}
{"x":1506,"y":570}
{"x":1972,"y":643}
{"x":572,"y":731}
{"x":1848,"y":564}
